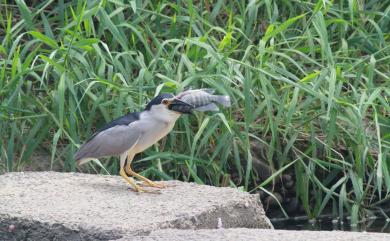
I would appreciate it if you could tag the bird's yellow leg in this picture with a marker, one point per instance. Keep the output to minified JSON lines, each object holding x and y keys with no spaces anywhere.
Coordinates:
{"x":147,"y":181}
{"x":130,"y":172}
{"x":131,"y":182}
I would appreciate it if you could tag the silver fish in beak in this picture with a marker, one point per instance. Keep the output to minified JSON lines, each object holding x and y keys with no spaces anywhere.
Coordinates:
{"x":203,"y":99}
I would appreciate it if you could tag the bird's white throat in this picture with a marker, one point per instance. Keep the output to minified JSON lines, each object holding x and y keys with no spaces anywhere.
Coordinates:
{"x":161,"y":113}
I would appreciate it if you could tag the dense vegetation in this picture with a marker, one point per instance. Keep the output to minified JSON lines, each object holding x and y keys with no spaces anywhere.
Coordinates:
{"x":309,"y":82}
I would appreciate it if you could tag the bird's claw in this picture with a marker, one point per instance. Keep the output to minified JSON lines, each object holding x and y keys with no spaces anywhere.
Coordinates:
{"x":142,"y":190}
{"x":153,"y":184}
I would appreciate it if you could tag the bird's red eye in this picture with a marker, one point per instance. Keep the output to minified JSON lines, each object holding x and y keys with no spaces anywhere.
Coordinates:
{"x":165,"y":101}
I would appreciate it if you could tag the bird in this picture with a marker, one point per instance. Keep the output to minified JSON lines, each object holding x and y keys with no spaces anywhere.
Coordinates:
{"x":133,"y":133}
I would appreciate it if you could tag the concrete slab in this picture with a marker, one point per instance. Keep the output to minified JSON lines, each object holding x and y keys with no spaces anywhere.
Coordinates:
{"x":73,"y":206}
{"x":243,"y":234}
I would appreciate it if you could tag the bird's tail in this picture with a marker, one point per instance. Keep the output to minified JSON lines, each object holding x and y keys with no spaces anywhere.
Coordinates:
{"x":80,"y":157}
{"x":224,"y":100}
{"x":83,"y":161}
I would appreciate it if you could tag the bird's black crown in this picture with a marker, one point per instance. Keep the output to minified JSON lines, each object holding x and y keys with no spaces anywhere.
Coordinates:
{"x":157,"y":100}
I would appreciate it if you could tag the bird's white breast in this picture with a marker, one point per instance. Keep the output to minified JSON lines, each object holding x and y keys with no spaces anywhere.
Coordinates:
{"x":155,"y":124}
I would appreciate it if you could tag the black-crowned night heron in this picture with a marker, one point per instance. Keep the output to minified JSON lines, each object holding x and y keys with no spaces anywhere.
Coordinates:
{"x":132,"y":134}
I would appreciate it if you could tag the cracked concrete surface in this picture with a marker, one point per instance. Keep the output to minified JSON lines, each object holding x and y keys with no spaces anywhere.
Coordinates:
{"x":74,"y":206}
{"x":71,"y":206}
{"x":244,"y":234}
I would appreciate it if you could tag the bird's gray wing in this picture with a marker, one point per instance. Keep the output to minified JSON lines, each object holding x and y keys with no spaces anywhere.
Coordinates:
{"x":110,"y":142}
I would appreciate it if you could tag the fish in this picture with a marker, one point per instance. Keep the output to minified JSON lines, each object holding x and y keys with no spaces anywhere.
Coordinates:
{"x":204,"y":99}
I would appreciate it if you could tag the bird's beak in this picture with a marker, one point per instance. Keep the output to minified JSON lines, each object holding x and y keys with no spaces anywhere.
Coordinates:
{"x":180,"y":106}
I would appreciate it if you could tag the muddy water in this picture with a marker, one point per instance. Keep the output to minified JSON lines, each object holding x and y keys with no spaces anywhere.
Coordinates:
{"x":326,"y":224}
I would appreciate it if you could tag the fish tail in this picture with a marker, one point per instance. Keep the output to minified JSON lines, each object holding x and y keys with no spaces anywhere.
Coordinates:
{"x":224,"y":100}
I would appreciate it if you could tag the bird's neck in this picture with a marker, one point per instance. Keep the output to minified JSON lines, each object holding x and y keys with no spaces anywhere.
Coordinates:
{"x":162,"y":115}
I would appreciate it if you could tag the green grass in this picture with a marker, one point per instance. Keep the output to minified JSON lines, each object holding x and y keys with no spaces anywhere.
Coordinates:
{"x":309,"y":81}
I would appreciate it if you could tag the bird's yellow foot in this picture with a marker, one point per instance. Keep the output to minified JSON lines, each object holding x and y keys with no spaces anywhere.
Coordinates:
{"x":147,"y":182}
{"x":153,"y":184}
{"x":135,"y":187}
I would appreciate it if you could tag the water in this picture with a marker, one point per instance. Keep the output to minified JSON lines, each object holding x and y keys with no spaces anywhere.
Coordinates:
{"x":380,"y":225}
